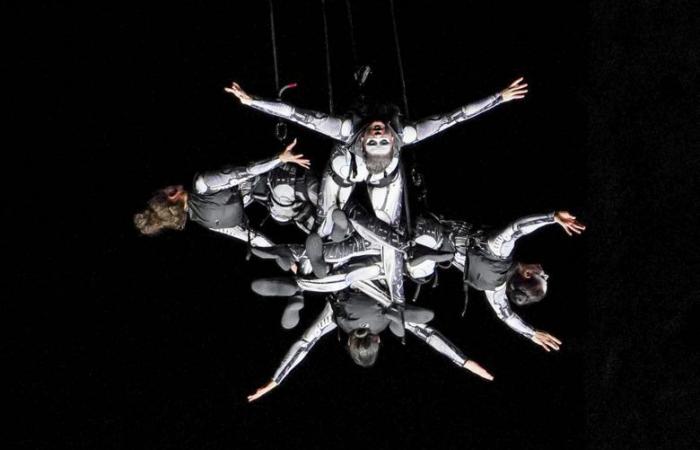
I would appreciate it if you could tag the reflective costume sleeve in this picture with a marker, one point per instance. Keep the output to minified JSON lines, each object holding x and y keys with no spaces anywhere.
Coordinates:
{"x":429,"y":126}
{"x":339,"y":128}
{"x":435,"y":339}
{"x":499,"y":302}
{"x":323,"y":324}
{"x":228,"y":177}
{"x":503,"y":243}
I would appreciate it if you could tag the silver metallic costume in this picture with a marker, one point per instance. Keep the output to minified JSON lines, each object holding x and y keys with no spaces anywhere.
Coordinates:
{"x":289,"y":193}
{"x":347,"y":164}
{"x":326,"y":322}
{"x":456,"y":236}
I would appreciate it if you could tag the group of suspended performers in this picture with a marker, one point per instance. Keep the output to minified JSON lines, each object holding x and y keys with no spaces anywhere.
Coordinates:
{"x":360,"y":256}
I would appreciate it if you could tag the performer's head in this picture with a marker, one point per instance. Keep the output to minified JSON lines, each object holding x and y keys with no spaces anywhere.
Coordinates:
{"x":527,"y":285}
{"x":166,"y":210}
{"x":363,"y":347}
{"x":378,"y":145}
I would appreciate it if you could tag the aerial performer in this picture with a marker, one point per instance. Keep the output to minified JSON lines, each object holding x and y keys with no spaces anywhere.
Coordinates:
{"x":368,"y":147}
{"x":363,"y":318}
{"x":367,"y":150}
{"x":218,"y":198}
{"x":484,"y":257}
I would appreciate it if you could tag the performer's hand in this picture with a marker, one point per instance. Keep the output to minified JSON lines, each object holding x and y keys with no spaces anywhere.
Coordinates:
{"x":546,"y":340}
{"x":475,"y":368}
{"x":288,"y":157}
{"x":568,"y":222}
{"x":515,"y":91}
{"x":262,"y":391}
{"x":236,"y":90}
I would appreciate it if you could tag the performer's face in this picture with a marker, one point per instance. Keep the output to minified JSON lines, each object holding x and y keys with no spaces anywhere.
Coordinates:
{"x":378,"y":140}
{"x":378,"y":143}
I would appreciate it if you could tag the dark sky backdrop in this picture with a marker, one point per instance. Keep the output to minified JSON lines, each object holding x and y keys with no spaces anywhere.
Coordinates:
{"x":131,"y":342}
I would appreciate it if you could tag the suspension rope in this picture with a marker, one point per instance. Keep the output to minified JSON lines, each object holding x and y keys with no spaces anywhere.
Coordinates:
{"x":353,"y":45}
{"x":328,"y":59}
{"x":407,"y":208}
{"x":398,"y":56}
{"x":274,"y":46}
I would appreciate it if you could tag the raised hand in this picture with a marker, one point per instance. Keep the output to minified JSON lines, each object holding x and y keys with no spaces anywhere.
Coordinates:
{"x":236,"y":90}
{"x":262,"y":391}
{"x":546,"y":341}
{"x":476,"y":369}
{"x":569,"y":223}
{"x":288,"y":157}
{"x":515,"y":91}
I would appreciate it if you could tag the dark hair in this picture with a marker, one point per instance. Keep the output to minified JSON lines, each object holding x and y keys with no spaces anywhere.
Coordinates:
{"x":522,"y":290}
{"x":363,"y":347}
{"x":160,"y":214}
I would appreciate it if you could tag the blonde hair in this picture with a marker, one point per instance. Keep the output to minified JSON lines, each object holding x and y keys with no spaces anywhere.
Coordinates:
{"x":161,"y":213}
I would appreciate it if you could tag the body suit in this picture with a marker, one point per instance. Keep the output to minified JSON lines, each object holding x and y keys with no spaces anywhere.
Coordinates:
{"x":485,"y":258}
{"x":347,"y":161}
{"x":347,"y":165}
{"x":218,"y":198}
{"x":328,"y":321}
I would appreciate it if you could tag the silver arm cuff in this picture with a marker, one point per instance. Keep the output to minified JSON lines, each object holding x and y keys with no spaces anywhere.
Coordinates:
{"x":228,"y":177}
{"x":440,"y":122}
{"x":334,"y":127}
{"x":503,"y":243}
{"x":436,"y":340}
{"x":499,"y":302}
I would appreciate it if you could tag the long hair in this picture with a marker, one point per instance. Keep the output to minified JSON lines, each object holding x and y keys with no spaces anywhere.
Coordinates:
{"x":161,"y":213}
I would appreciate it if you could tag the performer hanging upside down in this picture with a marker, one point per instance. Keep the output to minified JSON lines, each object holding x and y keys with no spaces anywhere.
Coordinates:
{"x":363,"y":319}
{"x":369,"y":145}
{"x":218,"y":198}
{"x":368,"y":150}
{"x":485,"y":259}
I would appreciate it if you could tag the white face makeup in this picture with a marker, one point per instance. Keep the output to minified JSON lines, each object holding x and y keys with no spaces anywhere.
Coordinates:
{"x":378,"y":140}
{"x":374,"y":146}
{"x":378,"y":146}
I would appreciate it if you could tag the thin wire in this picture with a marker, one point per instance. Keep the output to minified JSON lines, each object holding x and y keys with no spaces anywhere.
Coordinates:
{"x":328,"y":58}
{"x":398,"y":56}
{"x":274,"y":46}
{"x":352,"y":32}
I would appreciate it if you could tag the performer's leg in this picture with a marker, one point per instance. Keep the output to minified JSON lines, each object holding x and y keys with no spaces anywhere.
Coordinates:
{"x":335,"y":189}
{"x":290,"y":316}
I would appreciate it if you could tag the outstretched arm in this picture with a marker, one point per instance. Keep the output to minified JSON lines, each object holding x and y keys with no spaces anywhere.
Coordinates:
{"x":218,"y":180}
{"x":429,"y":126}
{"x":340,"y":128}
{"x":440,"y":343}
{"x":298,"y":351}
{"x":503,"y":243}
{"x":499,"y":302}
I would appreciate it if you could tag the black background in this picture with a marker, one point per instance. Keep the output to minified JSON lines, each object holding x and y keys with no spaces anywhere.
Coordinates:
{"x":121,"y":341}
